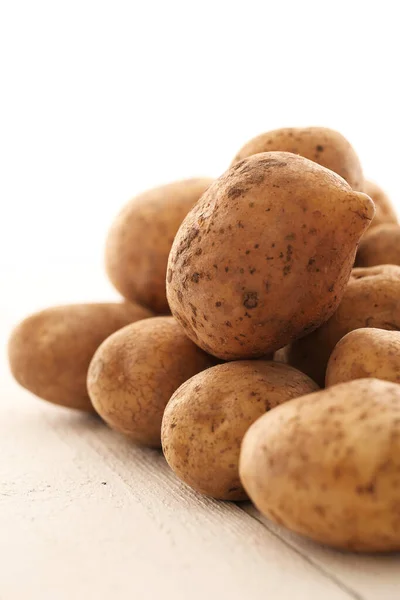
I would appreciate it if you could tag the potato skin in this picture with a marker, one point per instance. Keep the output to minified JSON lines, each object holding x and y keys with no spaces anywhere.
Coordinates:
{"x":327,"y":465}
{"x":141,"y":237}
{"x":206,"y":418}
{"x":324,"y":146}
{"x":134,"y":373}
{"x":365,"y":353}
{"x":265,"y":255}
{"x":50,"y":351}
{"x":385,"y":212}
{"x":379,"y":246}
{"x":371,"y":299}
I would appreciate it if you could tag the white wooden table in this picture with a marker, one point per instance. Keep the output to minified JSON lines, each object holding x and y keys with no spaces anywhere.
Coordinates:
{"x":84,"y":514}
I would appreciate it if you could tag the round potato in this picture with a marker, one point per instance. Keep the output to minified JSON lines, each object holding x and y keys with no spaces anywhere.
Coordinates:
{"x":324,"y":146}
{"x":135,"y":372}
{"x":327,"y":465}
{"x":384,"y":210}
{"x":265,"y":255}
{"x":371,"y":299}
{"x":50,"y":351}
{"x":207,"y":417}
{"x":141,"y":237}
{"x":365,"y":353}
{"x":380,"y":246}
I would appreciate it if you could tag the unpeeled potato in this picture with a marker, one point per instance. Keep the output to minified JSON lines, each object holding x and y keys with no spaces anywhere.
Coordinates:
{"x":206,"y":418}
{"x":385,"y":212}
{"x":379,"y":246}
{"x":324,"y":146}
{"x":365,"y":353}
{"x":134,"y":373}
{"x":265,"y":255}
{"x":327,"y":465}
{"x":141,"y":237}
{"x":50,"y":351}
{"x":371,"y":299}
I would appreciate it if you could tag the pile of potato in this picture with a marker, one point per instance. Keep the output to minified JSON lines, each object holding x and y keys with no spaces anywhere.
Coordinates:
{"x":243,"y":297}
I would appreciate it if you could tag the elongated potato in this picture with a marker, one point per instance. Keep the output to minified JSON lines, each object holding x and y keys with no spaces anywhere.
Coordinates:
{"x":327,"y":465}
{"x":141,"y":237}
{"x":206,"y":418}
{"x":50,"y":351}
{"x":365,"y":353}
{"x":371,"y":299}
{"x":134,"y":373}
{"x":324,"y":146}
{"x":265,"y":255}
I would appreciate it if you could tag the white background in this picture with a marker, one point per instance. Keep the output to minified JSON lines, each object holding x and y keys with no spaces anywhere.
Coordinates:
{"x":101,"y":100}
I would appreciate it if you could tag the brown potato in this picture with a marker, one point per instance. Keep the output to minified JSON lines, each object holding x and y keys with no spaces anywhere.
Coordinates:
{"x":380,"y":246}
{"x":50,"y":351}
{"x":206,"y":418}
{"x":365,"y":353}
{"x":135,"y":372}
{"x":327,"y":465}
{"x":371,"y":299}
{"x":384,"y":210}
{"x":141,"y":237}
{"x":324,"y":146}
{"x":264,"y":257}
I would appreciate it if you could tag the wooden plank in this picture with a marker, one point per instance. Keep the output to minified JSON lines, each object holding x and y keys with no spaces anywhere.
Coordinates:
{"x":373,"y":577}
{"x":84,"y":514}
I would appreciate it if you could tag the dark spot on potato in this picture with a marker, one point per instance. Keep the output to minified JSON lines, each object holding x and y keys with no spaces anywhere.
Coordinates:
{"x":330,"y":288}
{"x":365,"y":489}
{"x":235,"y":192}
{"x":226,"y":269}
{"x":222,"y":230}
{"x":252,"y":271}
{"x":256,"y":246}
{"x":250,"y":300}
{"x":240,"y":225}
{"x":228,"y":323}
{"x":180,"y":296}
{"x":247,"y":251}
{"x":319,"y":148}
{"x":198,"y":251}
{"x":195,"y":277}
{"x":251,"y":204}
{"x":218,"y":304}
{"x":172,"y":426}
{"x":193,"y":308}
{"x":215,"y":266}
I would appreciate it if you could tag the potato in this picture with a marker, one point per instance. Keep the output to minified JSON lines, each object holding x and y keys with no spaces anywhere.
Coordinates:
{"x":327,"y":465}
{"x":365,"y":353}
{"x":385,"y":212}
{"x":141,"y":237}
{"x":265,"y":255}
{"x":206,"y":418}
{"x":50,"y":351}
{"x":324,"y":146}
{"x":380,"y":246}
{"x":135,"y":372}
{"x":371,"y":299}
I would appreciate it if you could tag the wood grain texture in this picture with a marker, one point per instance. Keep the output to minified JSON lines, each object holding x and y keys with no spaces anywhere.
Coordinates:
{"x":371,"y":577}
{"x":85,"y":514}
